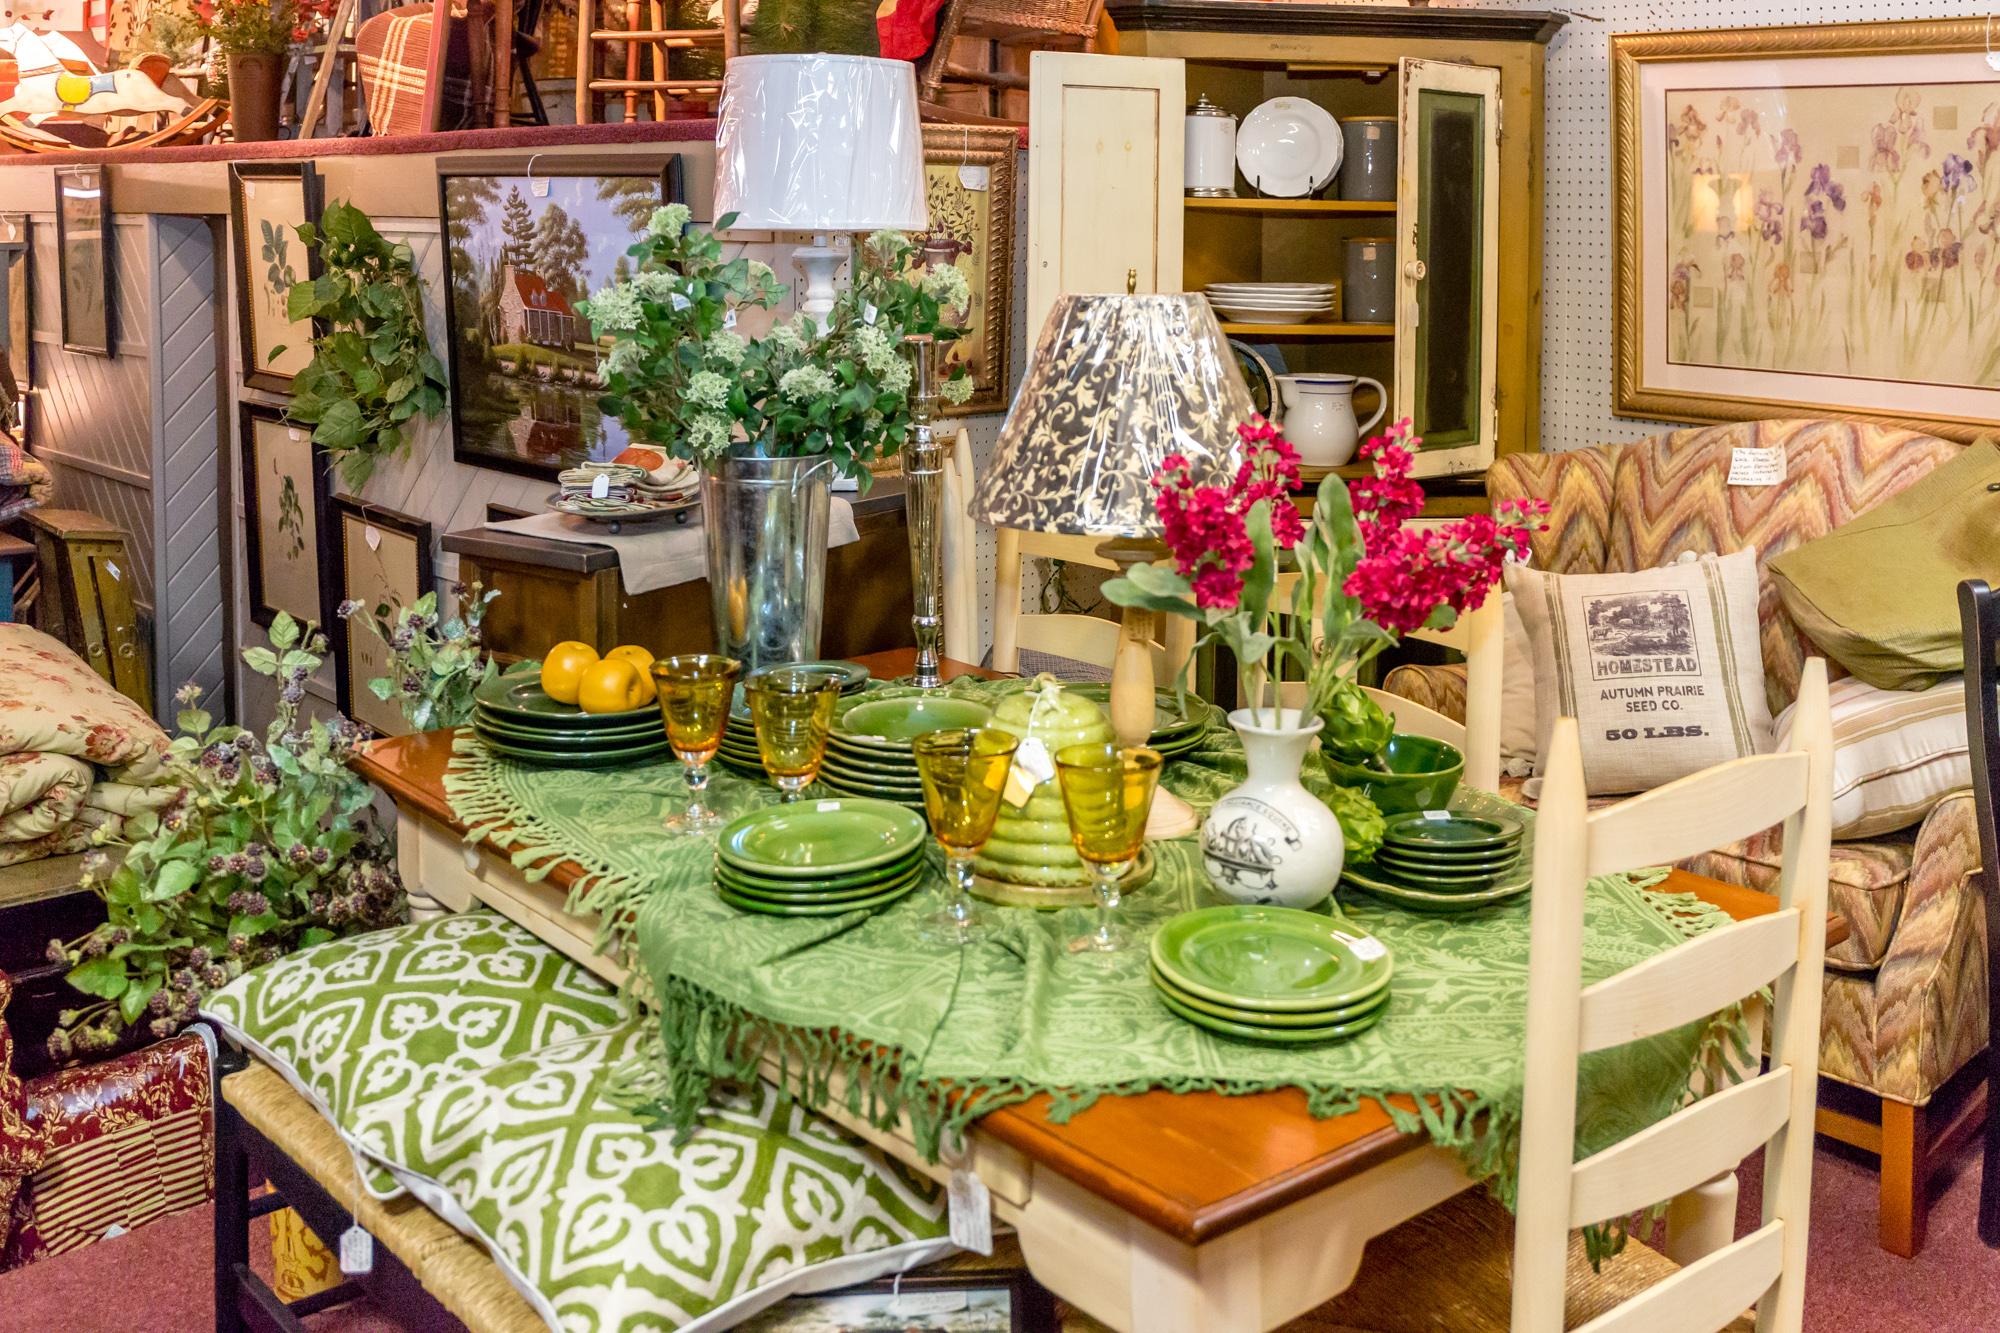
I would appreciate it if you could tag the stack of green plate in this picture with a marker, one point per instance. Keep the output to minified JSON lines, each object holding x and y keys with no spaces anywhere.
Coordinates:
{"x":820,"y":858}
{"x":868,"y":752}
{"x":1271,"y":974}
{"x":739,"y":741}
{"x":515,"y":717}
{"x":1447,"y":861}
{"x":1175,"y":731}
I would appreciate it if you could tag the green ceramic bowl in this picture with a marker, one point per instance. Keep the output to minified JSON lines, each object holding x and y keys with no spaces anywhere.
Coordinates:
{"x":1423,"y":773}
{"x":901,"y":721}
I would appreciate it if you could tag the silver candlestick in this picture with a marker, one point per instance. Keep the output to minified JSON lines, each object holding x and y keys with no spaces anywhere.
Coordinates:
{"x":923,"y":507}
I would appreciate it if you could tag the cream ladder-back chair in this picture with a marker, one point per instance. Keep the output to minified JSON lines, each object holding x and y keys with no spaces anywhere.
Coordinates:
{"x":1082,"y":638}
{"x":1566,"y":1020}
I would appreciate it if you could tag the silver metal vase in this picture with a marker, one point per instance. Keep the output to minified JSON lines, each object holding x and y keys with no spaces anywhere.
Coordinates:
{"x":766,"y":528}
{"x":923,"y":501}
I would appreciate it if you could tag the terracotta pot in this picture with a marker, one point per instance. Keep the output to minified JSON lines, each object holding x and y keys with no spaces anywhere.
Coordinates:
{"x":254,"y":82}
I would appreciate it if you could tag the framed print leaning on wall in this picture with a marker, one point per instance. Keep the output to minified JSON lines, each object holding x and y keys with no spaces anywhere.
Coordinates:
{"x":1808,"y":223}
{"x":383,"y":560}
{"x":268,"y":201}
{"x":285,"y":489}
{"x":86,"y":250}
{"x":969,"y":178}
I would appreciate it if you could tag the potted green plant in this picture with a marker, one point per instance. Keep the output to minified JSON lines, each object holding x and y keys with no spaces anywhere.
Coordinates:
{"x":252,"y":37}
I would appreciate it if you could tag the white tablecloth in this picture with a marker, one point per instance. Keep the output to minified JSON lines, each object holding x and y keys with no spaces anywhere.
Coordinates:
{"x":667,"y":554}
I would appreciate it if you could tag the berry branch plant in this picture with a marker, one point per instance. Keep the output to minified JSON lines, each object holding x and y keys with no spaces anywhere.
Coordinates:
{"x":373,"y":369}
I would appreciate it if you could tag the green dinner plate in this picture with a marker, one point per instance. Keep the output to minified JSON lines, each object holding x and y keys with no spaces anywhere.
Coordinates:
{"x":758,"y":905}
{"x":567,"y":738}
{"x":814,"y":839}
{"x":1450,"y":828}
{"x":903,"y":720}
{"x":853,"y":676}
{"x":872,"y":878}
{"x":519,"y":697}
{"x":1363,"y":877}
{"x":839,"y":787}
{"x":1278,"y":1036}
{"x":621,"y":758}
{"x":873,"y":761}
{"x":1390,"y":858}
{"x":1441,"y":856}
{"x":895,"y":777}
{"x":1426,"y":881}
{"x":906,"y":873}
{"x":1272,"y":958}
{"x":1255,"y":1018}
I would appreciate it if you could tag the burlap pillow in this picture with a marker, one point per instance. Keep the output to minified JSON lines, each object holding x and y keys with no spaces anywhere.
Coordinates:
{"x":1661,"y":668}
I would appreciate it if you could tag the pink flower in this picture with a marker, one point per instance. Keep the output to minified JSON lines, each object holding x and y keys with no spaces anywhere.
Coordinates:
{"x":1204,"y":526}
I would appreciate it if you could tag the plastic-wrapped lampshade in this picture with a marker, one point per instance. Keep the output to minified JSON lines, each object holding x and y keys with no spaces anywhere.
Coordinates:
{"x":820,"y":143}
{"x":1116,"y":384}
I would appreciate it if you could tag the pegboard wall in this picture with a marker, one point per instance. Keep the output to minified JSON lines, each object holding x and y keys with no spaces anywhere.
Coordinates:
{"x":1577,"y":347}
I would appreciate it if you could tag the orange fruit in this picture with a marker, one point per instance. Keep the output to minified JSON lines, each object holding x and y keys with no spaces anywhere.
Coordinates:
{"x":563,"y":667}
{"x":643,"y":660}
{"x":610,"y":686}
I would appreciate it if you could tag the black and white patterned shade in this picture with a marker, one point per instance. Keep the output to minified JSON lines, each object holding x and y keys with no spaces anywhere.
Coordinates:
{"x":1116,"y":384}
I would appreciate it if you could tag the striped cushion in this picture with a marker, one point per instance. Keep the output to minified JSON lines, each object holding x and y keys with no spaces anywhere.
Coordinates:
{"x":395,"y":50}
{"x":1896,"y":754}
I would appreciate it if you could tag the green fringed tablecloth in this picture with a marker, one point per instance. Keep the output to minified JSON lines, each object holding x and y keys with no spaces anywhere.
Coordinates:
{"x":909,"y":1022}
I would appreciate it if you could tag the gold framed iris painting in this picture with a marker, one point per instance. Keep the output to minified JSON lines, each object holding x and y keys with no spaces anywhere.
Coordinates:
{"x":1808,"y":223}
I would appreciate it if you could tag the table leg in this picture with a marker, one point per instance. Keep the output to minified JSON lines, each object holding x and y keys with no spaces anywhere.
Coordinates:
{"x":1703,"y":1220}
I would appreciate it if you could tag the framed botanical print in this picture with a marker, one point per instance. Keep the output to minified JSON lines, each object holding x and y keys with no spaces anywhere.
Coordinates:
{"x":934,"y":1302}
{"x":524,"y":240}
{"x":285,"y":490}
{"x":969,"y":176}
{"x":268,"y":202}
{"x":1808,"y":223}
{"x":86,"y":251}
{"x":383,"y":560}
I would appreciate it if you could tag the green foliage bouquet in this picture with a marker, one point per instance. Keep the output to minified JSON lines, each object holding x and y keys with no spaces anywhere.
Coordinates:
{"x":373,"y":370}
{"x":267,"y":851}
{"x":435,"y":663}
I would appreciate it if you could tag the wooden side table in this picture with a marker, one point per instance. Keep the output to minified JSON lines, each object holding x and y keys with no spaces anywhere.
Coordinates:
{"x":552,"y":591}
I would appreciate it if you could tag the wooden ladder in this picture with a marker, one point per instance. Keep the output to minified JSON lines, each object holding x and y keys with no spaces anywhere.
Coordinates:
{"x":590,"y":38}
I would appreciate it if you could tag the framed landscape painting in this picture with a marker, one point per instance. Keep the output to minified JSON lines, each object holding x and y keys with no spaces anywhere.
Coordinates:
{"x":268,"y":201}
{"x":85,"y":252}
{"x":524,"y":241}
{"x":969,"y":175}
{"x":285,"y":495}
{"x":1808,"y":223}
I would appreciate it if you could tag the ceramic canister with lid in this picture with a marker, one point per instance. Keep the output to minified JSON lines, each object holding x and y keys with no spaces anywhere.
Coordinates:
{"x":1210,"y":172}
{"x":1368,"y":166}
{"x":1370,"y":290}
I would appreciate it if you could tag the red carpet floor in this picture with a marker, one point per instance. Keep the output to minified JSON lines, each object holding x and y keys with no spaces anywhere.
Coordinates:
{"x":158,"y":1279}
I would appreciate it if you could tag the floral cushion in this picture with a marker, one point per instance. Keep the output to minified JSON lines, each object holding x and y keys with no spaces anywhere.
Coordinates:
{"x":363,"y":1021}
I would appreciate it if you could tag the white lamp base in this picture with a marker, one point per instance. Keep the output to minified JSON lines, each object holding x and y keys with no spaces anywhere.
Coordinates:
{"x":819,"y":262}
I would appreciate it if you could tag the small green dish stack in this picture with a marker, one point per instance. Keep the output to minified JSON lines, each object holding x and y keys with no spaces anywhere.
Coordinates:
{"x":1275,"y":975}
{"x":513,"y":716}
{"x":820,"y":858}
{"x":868,"y":752}
{"x":1446,"y":861}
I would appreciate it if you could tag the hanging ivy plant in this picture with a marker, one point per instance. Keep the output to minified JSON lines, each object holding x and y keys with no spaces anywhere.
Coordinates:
{"x":373,"y":370}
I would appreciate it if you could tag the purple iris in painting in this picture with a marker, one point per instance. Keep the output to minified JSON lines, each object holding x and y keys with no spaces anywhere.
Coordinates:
{"x":1786,"y":149}
{"x":1957,"y":174}
{"x":1770,"y":216}
{"x":1823,"y":183}
{"x":1813,"y":223}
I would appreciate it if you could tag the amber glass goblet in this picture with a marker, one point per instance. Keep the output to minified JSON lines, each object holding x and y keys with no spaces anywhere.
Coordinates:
{"x":964,"y":771}
{"x":792,"y":709}
{"x":694,"y":691}
{"x":1107,"y":793}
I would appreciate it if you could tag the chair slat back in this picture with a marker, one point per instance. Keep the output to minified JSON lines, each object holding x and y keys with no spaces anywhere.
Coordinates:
{"x":1785,"y":949}
{"x":1012,"y":630}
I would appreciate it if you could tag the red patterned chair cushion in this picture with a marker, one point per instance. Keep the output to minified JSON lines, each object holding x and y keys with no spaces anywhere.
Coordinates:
{"x":395,"y":52}
{"x":21,"y":1147}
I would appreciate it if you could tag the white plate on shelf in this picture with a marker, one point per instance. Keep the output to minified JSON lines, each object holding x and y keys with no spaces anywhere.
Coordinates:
{"x":1288,"y":147}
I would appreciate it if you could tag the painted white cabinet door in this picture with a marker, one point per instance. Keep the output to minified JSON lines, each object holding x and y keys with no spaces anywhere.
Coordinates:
{"x":1447,"y":261}
{"x":1105,"y":150}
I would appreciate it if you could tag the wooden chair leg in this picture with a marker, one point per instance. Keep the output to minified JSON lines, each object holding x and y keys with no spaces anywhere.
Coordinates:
{"x":1905,"y":1178}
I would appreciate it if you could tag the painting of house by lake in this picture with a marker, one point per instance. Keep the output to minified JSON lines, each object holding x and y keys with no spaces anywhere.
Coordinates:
{"x":521,"y":253}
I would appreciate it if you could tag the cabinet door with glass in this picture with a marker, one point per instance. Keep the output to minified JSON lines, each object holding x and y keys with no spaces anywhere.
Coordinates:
{"x":1447,"y":237}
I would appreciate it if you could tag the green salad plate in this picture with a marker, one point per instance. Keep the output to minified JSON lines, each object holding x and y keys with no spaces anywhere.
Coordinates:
{"x":1276,"y":959}
{"x":566,"y":738}
{"x":1453,"y":829}
{"x":1403,"y":893}
{"x":1445,"y":860}
{"x":1427,"y":877}
{"x":1263,"y":1018}
{"x":904,"y":873}
{"x":814,"y":839}
{"x":1273,"y":1035}
{"x":768,"y":908}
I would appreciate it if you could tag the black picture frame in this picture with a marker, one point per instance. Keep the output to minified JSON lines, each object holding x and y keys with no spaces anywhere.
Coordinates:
{"x":86,"y":254}
{"x":265,"y":589}
{"x":1032,"y":1307}
{"x":348,"y":514}
{"x":257,"y":373}
{"x":17,"y":265}
{"x":471,"y":422}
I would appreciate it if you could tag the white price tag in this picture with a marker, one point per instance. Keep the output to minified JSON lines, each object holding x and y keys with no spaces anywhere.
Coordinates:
{"x":373,"y":536}
{"x":1437,"y":814}
{"x":539,"y":187}
{"x":1368,"y":949}
{"x":296,"y":434}
{"x":824,"y":806}
{"x":249,"y":189}
{"x":357,"y":1251}
{"x":1032,"y":767}
{"x":974,"y":178}
{"x":1757,"y":467}
{"x":971,"y":1208}
{"x":111,"y":568}
{"x":600,"y":487}
{"x":869,"y":312}
{"x":729,"y":319}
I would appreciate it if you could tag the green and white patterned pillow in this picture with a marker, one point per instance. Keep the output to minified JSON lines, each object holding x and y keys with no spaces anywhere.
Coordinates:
{"x":357,"y":1023}
{"x":607,"y":1227}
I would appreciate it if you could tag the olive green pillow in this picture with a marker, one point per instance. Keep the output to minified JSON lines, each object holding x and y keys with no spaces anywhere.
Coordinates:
{"x":1879,"y":595}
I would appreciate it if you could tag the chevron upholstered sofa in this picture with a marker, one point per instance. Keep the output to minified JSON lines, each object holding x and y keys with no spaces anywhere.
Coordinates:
{"x":1905,"y":1002}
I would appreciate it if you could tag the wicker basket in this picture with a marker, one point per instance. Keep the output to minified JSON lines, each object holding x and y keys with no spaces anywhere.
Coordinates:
{"x":1078,"y":18}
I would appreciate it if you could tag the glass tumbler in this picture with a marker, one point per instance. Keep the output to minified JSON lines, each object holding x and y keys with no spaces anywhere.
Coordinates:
{"x":694,"y":691}
{"x":793,"y":711}
{"x":964,"y":771}
{"x":1107,"y":792}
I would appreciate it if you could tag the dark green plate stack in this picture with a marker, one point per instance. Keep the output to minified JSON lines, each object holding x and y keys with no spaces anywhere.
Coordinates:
{"x":868,"y":752}
{"x":1447,"y":861}
{"x":1271,"y":974}
{"x":1175,"y":731}
{"x":739,"y":742}
{"x":515,"y":717}
{"x":820,"y":858}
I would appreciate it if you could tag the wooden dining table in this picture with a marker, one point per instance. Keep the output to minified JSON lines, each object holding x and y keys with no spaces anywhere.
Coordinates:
{"x":1157,"y":1212}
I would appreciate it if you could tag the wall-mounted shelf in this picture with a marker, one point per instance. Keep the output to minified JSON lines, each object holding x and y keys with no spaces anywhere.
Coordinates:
{"x":1310,"y":330}
{"x":1335,"y":207}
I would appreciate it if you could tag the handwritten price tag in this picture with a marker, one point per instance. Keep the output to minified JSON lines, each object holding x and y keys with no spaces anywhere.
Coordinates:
{"x":1757,"y":467}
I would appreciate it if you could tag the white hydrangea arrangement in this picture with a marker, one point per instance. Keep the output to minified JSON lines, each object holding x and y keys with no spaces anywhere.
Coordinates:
{"x":682,"y":380}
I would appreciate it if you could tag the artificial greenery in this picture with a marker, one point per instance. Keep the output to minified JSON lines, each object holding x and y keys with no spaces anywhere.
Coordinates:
{"x":435,"y":663}
{"x":681,"y":378}
{"x":250,"y":27}
{"x":267,"y":850}
{"x":373,"y":370}
{"x":843,"y":27}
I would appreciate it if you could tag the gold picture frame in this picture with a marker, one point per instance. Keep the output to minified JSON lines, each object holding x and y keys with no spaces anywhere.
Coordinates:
{"x":974,"y":229}
{"x":1767,"y":259}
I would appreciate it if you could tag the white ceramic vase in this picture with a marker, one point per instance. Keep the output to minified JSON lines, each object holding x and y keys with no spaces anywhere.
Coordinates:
{"x":1270,"y":841}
